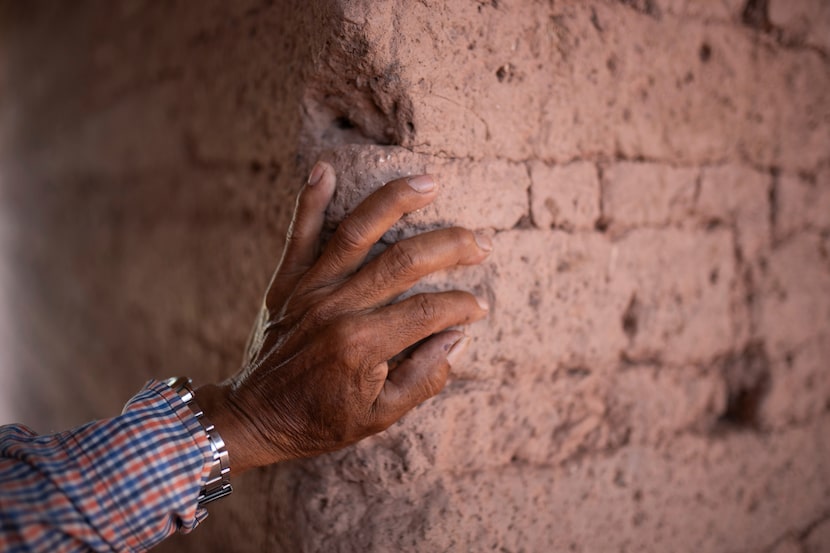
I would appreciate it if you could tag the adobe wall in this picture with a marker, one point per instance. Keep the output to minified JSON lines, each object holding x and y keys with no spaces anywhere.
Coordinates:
{"x":655,"y":373}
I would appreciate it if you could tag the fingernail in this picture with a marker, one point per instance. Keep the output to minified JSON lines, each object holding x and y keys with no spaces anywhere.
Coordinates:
{"x":421,"y":183}
{"x":457,"y":350}
{"x":316,"y":173}
{"x":483,"y":303}
{"x":484,"y":241}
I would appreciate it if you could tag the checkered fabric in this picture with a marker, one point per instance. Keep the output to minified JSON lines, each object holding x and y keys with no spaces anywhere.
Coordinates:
{"x":120,"y":484}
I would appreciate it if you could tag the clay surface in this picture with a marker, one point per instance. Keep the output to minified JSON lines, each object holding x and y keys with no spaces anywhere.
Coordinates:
{"x":655,"y":174}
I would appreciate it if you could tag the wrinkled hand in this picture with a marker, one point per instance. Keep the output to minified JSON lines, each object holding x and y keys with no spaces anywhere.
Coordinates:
{"x":317,"y":374}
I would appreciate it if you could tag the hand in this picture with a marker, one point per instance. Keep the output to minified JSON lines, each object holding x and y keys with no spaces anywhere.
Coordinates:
{"x":317,"y":374}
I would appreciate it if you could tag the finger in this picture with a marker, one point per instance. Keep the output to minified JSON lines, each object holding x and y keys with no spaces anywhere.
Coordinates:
{"x":420,"y":376}
{"x":300,"y":251}
{"x":367,"y":224}
{"x":403,"y":264}
{"x":413,"y":319}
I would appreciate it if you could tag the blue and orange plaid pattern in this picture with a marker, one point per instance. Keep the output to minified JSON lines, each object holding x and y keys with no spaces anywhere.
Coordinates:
{"x":120,"y":484}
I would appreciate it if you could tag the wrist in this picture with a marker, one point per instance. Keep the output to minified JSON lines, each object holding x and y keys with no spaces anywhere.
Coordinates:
{"x":212,"y":399}
{"x":245,"y":448}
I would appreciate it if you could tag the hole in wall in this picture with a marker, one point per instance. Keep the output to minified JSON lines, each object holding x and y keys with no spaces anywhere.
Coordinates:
{"x":705,"y":52}
{"x":356,"y":115}
{"x":630,"y":319}
{"x":354,"y":98}
{"x":343,"y":123}
{"x":578,"y":372}
{"x":330,"y":124}
{"x":747,"y":376}
{"x":507,"y":72}
{"x":756,"y":15}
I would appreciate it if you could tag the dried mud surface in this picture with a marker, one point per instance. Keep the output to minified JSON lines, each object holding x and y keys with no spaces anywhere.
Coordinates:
{"x":656,"y":178}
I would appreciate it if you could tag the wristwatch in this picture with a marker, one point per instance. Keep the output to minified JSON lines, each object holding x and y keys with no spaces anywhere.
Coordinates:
{"x":218,"y":484}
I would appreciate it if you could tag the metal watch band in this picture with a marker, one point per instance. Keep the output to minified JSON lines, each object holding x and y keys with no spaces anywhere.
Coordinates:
{"x":218,"y":484}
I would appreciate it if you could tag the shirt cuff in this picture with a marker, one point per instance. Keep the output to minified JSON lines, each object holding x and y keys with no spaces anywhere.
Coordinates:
{"x":119,"y":484}
{"x":147,"y":467}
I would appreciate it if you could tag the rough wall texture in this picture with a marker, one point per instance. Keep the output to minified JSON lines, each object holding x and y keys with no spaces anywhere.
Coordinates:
{"x":656,"y":175}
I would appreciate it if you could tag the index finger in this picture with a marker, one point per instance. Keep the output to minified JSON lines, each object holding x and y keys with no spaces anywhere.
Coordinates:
{"x":370,"y":220}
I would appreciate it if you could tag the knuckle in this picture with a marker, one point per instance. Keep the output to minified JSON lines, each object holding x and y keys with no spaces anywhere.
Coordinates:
{"x":425,"y":307}
{"x":402,"y":259}
{"x":352,"y":234}
{"x":348,"y":339}
{"x":341,"y":332}
{"x":317,"y":315}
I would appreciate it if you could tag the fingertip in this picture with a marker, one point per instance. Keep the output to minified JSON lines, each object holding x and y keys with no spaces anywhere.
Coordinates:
{"x":422,"y":375}
{"x":457,"y":350}
{"x":450,"y":345}
{"x":483,"y":241}
{"x":322,"y":177}
{"x":480,"y":309}
{"x":317,"y":173}
{"x":319,"y":188}
{"x":306,"y":224}
{"x":436,"y":348}
{"x":441,"y":344}
{"x":329,"y":175}
{"x":423,"y":184}
{"x":439,"y":351}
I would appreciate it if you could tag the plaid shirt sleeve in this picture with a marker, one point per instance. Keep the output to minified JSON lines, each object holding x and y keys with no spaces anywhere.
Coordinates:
{"x":120,"y":484}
